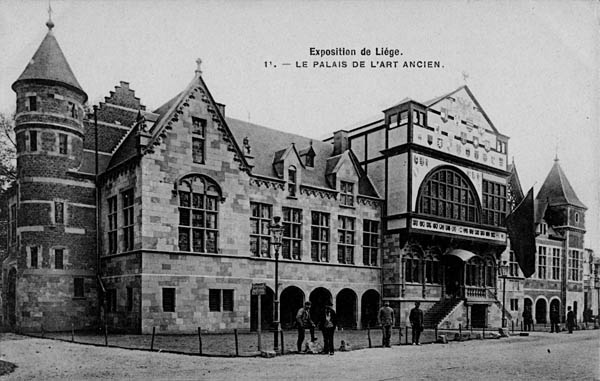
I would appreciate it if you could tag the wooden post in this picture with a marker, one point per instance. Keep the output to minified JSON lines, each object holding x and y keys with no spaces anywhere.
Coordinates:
{"x":42,"y":331}
{"x":369,"y":336}
{"x":237,"y":349}
{"x":460,"y":332}
{"x":512,"y":323}
{"x":483,"y":336}
{"x":399,"y":335}
{"x":406,"y":336}
{"x":282,"y":347}
{"x":72,"y":332}
{"x":259,"y":324}
{"x":105,"y":334}
{"x":152,"y":342}
{"x":199,"y":341}
{"x":436,"y":335}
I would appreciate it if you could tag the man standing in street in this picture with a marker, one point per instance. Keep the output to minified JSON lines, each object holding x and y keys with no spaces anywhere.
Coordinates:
{"x":527,"y":319}
{"x":328,"y":325}
{"x":386,"y":320}
{"x":554,"y":318}
{"x":303,"y":321}
{"x":416,"y":321}
{"x":570,"y":320}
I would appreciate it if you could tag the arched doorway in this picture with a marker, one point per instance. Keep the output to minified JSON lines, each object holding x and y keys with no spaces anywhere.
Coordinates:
{"x":453,"y":269}
{"x":346,"y":308}
{"x":291,"y":300}
{"x":319,"y":297}
{"x":555,"y":306}
{"x":266,"y":306}
{"x":541,"y":310}
{"x":11,"y":301}
{"x":369,"y":308}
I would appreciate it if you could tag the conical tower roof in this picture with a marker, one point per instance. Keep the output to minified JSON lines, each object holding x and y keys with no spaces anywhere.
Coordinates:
{"x":49,"y":64}
{"x":557,"y":190}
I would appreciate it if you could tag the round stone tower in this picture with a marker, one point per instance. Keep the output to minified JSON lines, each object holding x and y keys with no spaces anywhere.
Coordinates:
{"x":52,"y":258}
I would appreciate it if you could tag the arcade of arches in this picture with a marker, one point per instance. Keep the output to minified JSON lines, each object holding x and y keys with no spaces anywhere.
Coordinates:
{"x":353,"y":310}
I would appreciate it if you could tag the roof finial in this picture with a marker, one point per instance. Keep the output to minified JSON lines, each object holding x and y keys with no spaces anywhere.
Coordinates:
{"x":49,"y":23}
{"x":465,"y":76}
{"x":199,"y":67}
{"x":556,"y":151}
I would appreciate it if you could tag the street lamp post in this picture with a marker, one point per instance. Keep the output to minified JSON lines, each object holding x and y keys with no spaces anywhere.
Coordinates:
{"x":276,"y":230}
{"x":503,"y":271}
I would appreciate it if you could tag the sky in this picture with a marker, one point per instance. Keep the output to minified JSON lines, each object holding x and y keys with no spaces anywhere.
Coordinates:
{"x":533,"y":66}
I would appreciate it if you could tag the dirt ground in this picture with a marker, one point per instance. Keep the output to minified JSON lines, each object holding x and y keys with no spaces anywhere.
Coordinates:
{"x":540,"y":356}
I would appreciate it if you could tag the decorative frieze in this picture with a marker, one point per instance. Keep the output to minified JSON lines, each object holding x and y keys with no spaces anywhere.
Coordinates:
{"x":267,"y":183}
{"x":318,"y":192}
{"x":369,"y":201}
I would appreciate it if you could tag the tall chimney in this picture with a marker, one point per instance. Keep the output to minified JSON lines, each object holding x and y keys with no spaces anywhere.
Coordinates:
{"x":340,"y":142}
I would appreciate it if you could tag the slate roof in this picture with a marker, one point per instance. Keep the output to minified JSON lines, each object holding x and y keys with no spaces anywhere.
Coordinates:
{"x":557,"y":190}
{"x":265,"y":142}
{"x":49,"y":63}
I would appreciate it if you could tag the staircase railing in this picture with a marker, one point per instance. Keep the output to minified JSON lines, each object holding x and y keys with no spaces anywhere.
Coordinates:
{"x":507,"y":314}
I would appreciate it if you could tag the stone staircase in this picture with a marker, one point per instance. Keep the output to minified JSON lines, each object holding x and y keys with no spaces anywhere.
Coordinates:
{"x":434,"y":316}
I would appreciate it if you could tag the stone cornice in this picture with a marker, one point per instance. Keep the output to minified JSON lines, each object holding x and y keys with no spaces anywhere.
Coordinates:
{"x":318,"y":192}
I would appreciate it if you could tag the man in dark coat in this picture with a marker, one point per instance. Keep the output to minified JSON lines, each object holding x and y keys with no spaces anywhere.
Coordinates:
{"x":416,"y":321}
{"x":303,"y":321}
{"x":554,"y":320}
{"x":386,"y":320}
{"x":328,"y":324}
{"x":527,"y":318}
{"x":570,"y":320}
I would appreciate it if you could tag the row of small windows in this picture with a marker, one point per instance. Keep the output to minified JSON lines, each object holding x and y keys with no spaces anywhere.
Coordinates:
{"x":218,"y":300}
{"x":57,"y":260}
{"x":426,"y":269}
{"x":32,"y":104}
{"x":260,"y":239}
{"x":33,"y":146}
{"x":198,"y":228}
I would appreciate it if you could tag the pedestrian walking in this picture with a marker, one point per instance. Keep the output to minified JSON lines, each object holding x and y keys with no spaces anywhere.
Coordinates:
{"x":570,"y":320}
{"x":416,"y":321}
{"x":328,"y":324}
{"x":386,"y":321}
{"x":554,"y":320}
{"x":527,"y":318}
{"x":303,"y":322}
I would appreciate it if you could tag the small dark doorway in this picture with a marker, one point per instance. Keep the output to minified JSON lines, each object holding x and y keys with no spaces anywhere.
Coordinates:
{"x":266,"y":305}
{"x":479,"y":315}
{"x":541,"y":310}
{"x":369,"y":308}
{"x":453,"y":268}
{"x":291,"y":299}
{"x":346,"y":308}
{"x":12,"y":298}
{"x":555,"y":306}
{"x":319,"y":297}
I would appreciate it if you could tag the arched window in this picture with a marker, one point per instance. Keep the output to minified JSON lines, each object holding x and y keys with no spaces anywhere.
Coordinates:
{"x":490,"y":272}
{"x":449,"y":194}
{"x":474,"y":270}
{"x":412,"y":266}
{"x":198,"y":214}
{"x":432,"y":268}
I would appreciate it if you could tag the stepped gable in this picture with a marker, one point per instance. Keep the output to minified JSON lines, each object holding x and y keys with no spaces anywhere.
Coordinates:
{"x":557,"y":190}
{"x":265,"y":142}
{"x":49,"y":64}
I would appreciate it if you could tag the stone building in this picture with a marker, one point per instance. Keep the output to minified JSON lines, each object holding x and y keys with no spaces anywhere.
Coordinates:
{"x":558,"y":280}
{"x":161,"y":218}
{"x":183,"y":198}
{"x":441,"y":167}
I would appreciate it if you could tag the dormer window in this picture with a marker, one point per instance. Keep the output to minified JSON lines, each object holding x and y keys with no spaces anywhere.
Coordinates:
{"x":309,"y":160}
{"x":292,"y":181}
{"x":346,"y":193}
{"x":198,"y":140}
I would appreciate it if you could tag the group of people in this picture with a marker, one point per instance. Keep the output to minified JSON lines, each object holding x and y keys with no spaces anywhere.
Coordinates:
{"x":328,"y":323}
{"x":554,"y":319}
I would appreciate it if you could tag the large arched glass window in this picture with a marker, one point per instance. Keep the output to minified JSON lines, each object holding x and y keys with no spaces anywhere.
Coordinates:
{"x":199,"y":198}
{"x":449,"y":194}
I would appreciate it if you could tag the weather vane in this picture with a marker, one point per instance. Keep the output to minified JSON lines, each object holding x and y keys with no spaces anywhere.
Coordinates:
{"x":49,"y":23}
{"x":465,"y":76}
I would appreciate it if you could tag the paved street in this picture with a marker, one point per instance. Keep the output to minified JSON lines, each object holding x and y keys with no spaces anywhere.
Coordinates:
{"x":540,"y":356}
